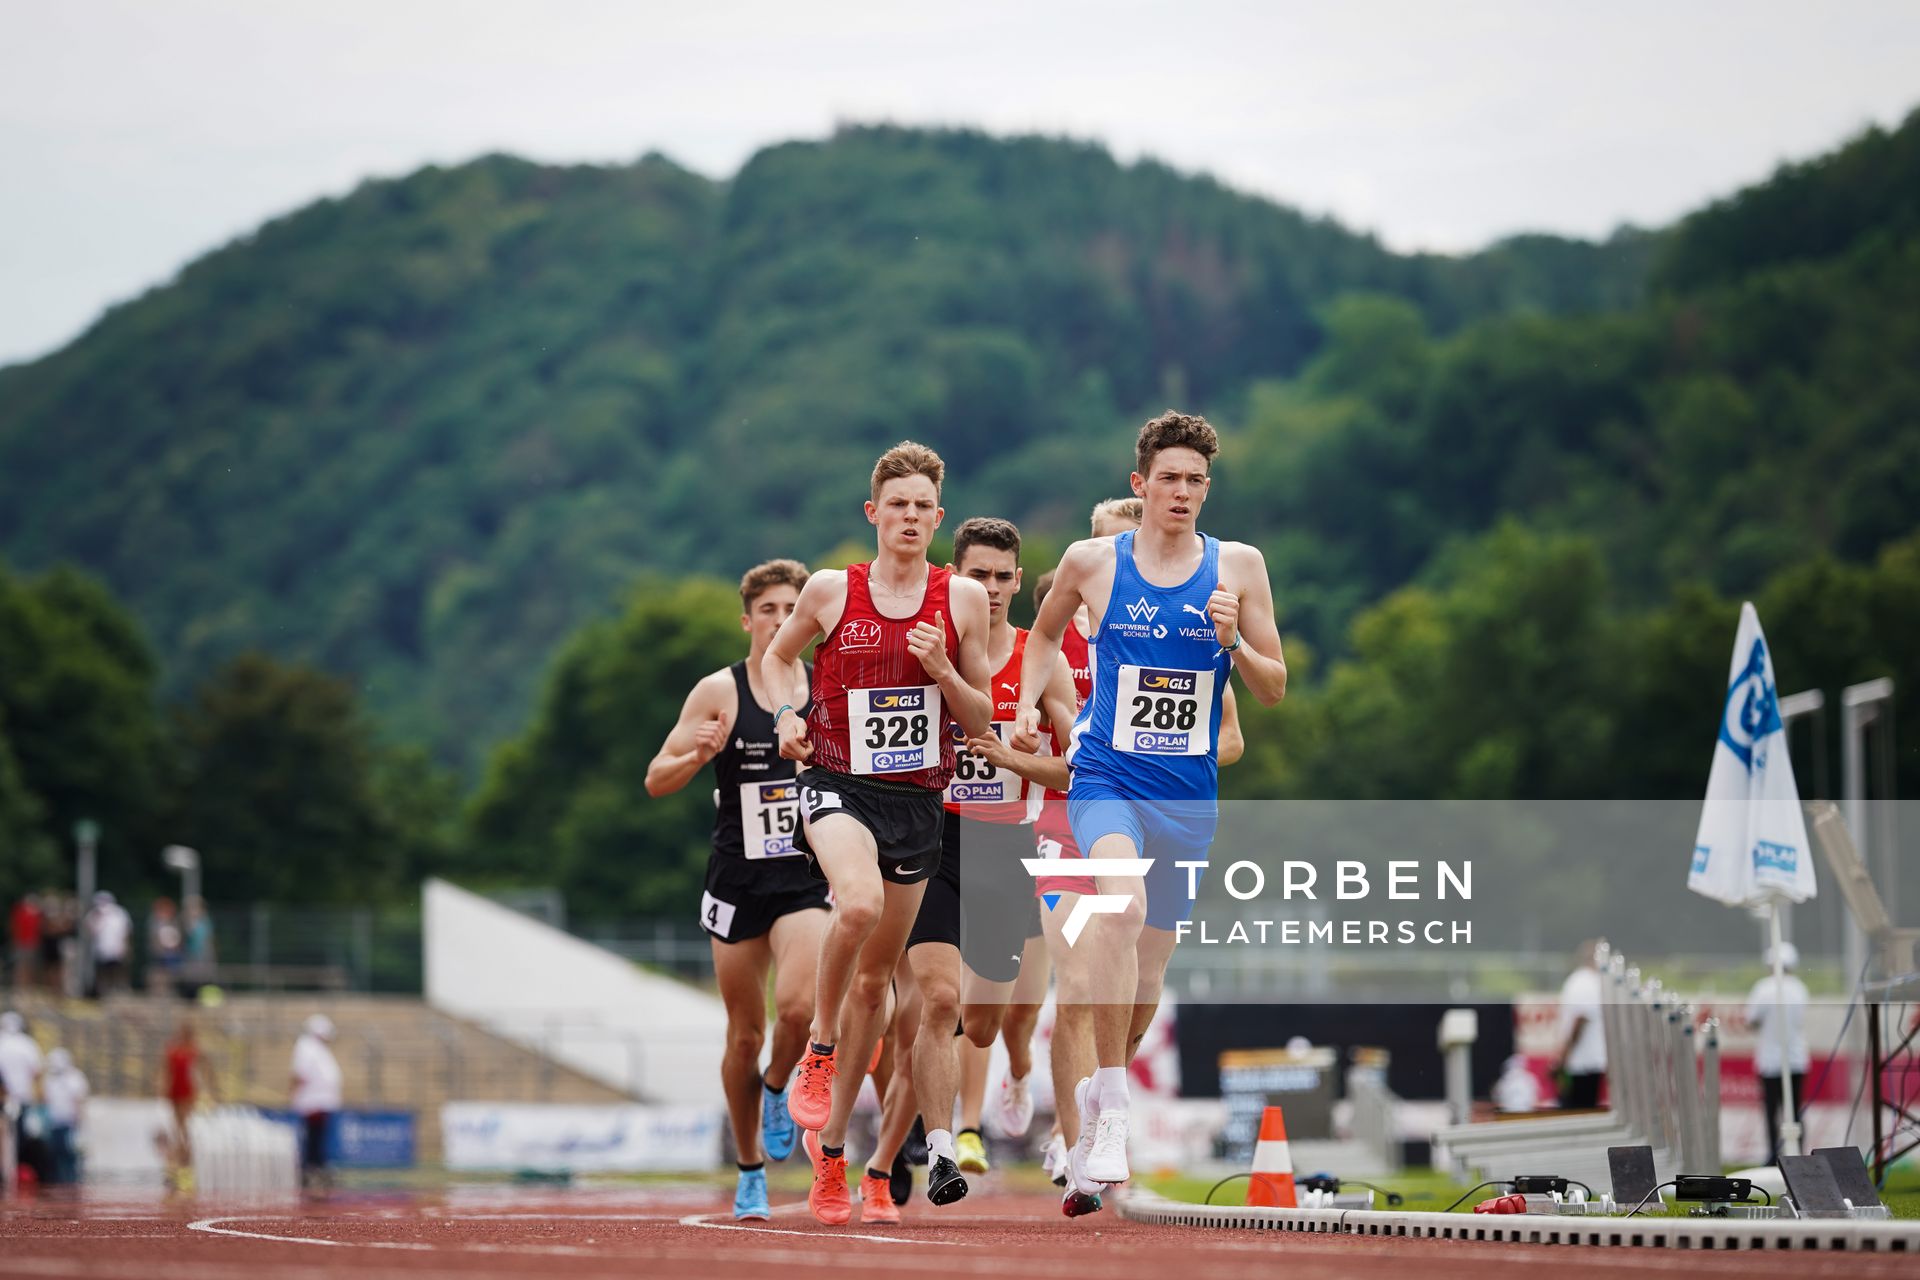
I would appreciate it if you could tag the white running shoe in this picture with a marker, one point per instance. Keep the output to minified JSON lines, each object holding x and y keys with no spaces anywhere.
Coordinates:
{"x":1082,"y":1195}
{"x":1078,"y":1178}
{"x":1054,"y":1160}
{"x":1084,"y":1147}
{"x":1108,"y":1160}
{"x":1016,"y":1107}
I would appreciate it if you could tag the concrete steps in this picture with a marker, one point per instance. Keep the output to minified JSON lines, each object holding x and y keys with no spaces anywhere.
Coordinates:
{"x":394,"y":1052}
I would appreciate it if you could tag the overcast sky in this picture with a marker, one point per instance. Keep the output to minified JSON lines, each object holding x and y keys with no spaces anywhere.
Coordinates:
{"x":137,"y":134}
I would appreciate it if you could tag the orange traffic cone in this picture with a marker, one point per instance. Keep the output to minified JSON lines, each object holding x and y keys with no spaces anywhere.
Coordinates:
{"x":1272,"y":1181}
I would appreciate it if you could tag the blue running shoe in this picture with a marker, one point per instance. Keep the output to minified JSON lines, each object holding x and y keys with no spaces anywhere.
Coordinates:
{"x":776,"y":1123}
{"x":750,"y":1197}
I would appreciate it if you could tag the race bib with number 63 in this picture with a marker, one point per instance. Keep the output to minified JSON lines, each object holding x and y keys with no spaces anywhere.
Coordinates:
{"x":892,"y":730}
{"x":975,"y":780}
{"x":1163,"y":712}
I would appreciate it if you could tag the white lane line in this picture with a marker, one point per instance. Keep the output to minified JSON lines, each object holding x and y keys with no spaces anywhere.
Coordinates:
{"x":779,"y":1210}
{"x":212,"y":1227}
{"x":700,"y":1220}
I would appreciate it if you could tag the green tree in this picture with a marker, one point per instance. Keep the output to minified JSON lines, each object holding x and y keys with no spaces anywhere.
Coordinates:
{"x":278,"y":790}
{"x":77,"y":710}
{"x":32,"y":859}
{"x":565,"y":802}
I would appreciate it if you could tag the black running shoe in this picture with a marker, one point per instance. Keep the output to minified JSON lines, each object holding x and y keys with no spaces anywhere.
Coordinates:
{"x":944,"y":1183}
{"x":900,"y":1180}
{"x":916,"y":1147}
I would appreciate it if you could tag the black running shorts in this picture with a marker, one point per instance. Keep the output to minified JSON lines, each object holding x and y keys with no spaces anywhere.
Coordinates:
{"x":904,"y":820}
{"x":992,"y":918}
{"x":744,"y":896}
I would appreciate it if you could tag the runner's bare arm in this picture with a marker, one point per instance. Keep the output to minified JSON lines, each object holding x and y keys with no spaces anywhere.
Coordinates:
{"x":965,"y":685}
{"x":1056,"y":700}
{"x":705,"y":720}
{"x":1242,"y":611}
{"x":1043,"y":641}
{"x":1233,"y":743}
{"x":782,"y":674}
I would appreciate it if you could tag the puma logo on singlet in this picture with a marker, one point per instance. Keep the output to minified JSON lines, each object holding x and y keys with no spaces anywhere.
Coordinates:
{"x":1198,"y":613}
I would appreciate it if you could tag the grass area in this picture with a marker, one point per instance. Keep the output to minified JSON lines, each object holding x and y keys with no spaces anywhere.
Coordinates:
{"x":1902,"y":1193}
{"x":1423,"y":1190}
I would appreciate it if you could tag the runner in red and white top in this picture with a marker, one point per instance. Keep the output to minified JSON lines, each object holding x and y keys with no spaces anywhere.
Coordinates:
{"x":968,"y":945}
{"x":904,"y":659}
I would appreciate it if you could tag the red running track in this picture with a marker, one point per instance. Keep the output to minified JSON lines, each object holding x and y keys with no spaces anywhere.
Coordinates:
{"x":623,"y":1232}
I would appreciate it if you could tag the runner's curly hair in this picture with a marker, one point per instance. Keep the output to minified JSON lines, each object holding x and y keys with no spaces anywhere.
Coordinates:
{"x":1175,"y":430}
{"x":773,"y":573}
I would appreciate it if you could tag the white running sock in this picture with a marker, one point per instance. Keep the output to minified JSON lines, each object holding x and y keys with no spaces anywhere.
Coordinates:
{"x":1109,"y":1090}
{"x":940,"y":1143}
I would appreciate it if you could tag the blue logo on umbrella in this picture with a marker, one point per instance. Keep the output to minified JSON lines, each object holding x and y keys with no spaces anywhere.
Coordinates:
{"x":1753,"y":708}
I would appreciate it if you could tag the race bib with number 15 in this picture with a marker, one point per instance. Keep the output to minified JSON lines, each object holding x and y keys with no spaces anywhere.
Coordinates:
{"x":769,"y":812}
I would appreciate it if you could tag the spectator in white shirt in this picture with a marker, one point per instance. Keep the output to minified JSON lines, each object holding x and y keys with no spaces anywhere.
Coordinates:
{"x":65,"y":1089}
{"x":1772,"y":1010}
{"x":1517,"y":1089}
{"x":1583,"y":1038}
{"x":110,"y":930}
{"x":315,"y":1098}
{"x":21,"y":1066}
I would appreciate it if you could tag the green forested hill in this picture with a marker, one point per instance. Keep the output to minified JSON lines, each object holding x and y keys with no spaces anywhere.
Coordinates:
{"x":489,"y":444}
{"x":418,"y":434}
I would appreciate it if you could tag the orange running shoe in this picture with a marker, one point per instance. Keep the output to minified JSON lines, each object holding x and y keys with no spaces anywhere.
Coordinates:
{"x":876,"y":1201}
{"x":827,"y":1197}
{"x":879,"y":1047}
{"x":810,"y":1096}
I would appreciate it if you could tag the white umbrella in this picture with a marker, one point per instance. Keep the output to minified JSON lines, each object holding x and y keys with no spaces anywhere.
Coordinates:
{"x":1752,"y":848}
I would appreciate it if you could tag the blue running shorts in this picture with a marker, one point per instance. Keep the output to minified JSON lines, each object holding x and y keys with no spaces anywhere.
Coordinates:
{"x":1168,"y":831}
